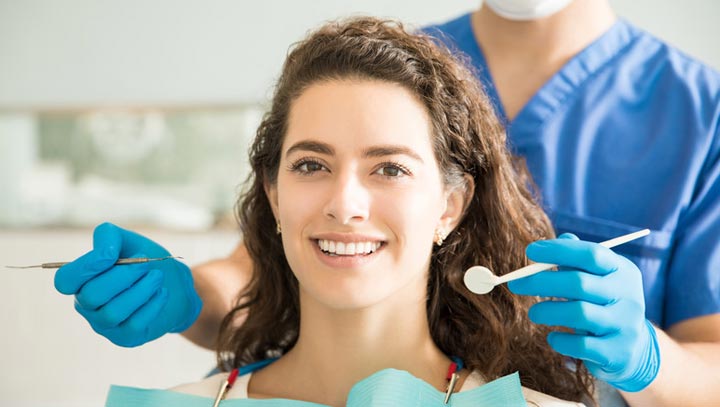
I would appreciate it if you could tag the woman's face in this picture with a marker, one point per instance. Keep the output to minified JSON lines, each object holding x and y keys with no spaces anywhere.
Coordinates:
{"x":359,"y":193}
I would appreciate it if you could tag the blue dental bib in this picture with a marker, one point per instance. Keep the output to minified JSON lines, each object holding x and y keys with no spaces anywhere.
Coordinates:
{"x":385,"y":388}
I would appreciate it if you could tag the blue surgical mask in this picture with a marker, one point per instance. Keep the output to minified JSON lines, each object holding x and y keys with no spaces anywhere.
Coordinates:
{"x":522,"y":10}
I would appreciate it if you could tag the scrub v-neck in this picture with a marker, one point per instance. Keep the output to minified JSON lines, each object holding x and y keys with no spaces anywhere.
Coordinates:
{"x":563,"y":84}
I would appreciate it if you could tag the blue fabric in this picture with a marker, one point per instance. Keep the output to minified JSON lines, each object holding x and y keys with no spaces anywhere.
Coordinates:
{"x":388,"y":387}
{"x":625,"y":136}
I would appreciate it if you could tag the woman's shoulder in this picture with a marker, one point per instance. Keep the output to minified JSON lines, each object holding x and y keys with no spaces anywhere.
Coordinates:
{"x":203,"y":387}
{"x":537,"y":399}
{"x":209,"y":386}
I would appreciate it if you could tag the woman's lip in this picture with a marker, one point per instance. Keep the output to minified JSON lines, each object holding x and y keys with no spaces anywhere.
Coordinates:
{"x":346,"y":237}
{"x":345,"y":261}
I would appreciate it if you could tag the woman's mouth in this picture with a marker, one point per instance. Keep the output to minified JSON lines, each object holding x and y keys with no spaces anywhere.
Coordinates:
{"x":336,"y":248}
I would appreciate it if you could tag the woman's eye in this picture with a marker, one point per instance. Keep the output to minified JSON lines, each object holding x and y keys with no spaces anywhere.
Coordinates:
{"x":310,"y":167}
{"x":392,"y":171}
{"x":307,"y":167}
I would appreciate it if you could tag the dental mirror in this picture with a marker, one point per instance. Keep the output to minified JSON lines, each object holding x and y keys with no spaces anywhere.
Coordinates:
{"x":481,"y":280}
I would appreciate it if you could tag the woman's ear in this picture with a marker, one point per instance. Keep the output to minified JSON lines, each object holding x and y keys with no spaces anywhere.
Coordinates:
{"x":272,"y":196}
{"x":457,"y":200}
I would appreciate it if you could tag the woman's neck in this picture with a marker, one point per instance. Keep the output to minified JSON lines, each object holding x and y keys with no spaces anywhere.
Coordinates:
{"x":338,"y":348}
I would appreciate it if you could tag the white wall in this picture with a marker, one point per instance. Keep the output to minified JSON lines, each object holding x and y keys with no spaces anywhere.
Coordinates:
{"x":84,"y":52}
{"x":87,"y":52}
{"x":691,"y":25}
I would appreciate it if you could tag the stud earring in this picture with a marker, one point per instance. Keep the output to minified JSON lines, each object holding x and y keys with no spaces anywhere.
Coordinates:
{"x":278,"y":229}
{"x":440,"y":236}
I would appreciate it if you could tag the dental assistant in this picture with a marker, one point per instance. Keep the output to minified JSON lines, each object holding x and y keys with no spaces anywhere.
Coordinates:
{"x":620,"y":132}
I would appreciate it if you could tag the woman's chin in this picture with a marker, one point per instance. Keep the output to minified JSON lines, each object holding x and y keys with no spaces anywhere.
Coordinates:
{"x":347,"y":295}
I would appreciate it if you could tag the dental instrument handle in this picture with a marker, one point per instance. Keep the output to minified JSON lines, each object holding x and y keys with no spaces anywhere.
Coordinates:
{"x":225,"y":386}
{"x":524,"y":272}
{"x":538,"y":267}
{"x":617,"y":241}
{"x":122,"y":261}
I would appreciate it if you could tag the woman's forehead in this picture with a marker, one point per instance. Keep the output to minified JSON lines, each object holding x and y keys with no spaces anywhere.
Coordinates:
{"x":358,"y":114}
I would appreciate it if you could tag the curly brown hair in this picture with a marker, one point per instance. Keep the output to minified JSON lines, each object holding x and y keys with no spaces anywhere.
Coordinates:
{"x":491,"y":333}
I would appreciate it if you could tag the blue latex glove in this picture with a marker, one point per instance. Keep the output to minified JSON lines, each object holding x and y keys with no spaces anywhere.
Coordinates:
{"x":130,"y":304}
{"x":603,"y":302}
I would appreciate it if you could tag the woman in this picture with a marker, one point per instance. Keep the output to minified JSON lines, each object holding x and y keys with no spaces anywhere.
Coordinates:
{"x":379,"y":175}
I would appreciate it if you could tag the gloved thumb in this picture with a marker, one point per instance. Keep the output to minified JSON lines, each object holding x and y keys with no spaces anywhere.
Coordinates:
{"x":107,"y":238}
{"x":568,"y":236}
{"x":107,"y":243}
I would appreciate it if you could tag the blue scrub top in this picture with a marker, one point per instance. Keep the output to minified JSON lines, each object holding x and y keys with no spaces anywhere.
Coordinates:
{"x":624,"y":137}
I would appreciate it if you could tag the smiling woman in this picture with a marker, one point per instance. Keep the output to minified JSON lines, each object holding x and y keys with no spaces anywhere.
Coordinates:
{"x":367,"y":178}
{"x":379,"y":175}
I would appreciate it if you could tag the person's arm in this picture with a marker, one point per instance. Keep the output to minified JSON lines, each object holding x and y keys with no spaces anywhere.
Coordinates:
{"x":690,"y":370}
{"x":218,"y":283}
{"x":690,"y":347}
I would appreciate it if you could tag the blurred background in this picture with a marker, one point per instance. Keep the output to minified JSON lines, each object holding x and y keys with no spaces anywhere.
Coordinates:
{"x":139,"y":113}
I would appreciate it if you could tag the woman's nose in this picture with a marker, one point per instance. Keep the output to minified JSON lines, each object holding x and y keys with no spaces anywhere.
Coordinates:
{"x":348,"y":200}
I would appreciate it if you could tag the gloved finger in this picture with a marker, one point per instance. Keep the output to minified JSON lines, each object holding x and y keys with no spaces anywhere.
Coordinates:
{"x":137,"y":334}
{"x":579,"y":254}
{"x":580,"y":346}
{"x":570,"y":284}
{"x":101,"y":289}
{"x":125,"y":304}
{"x":578,"y":315}
{"x":141,"y":319}
{"x":566,"y":236}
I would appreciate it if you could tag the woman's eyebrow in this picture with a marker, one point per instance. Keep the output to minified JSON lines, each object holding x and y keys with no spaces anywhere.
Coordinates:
{"x":374,"y":151}
{"x":389,"y":149}
{"x":309,"y":145}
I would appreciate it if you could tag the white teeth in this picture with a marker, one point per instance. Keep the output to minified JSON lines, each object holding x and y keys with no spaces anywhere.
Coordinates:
{"x":348,"y":249}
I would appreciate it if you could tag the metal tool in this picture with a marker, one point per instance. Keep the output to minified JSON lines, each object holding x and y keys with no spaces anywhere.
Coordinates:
{"x":119,"y":262}
{"x":225,"y":386}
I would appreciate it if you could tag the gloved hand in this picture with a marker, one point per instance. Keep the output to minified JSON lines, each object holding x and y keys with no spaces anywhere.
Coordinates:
{"x":605,"y":307}
{"x":129,"y":304}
